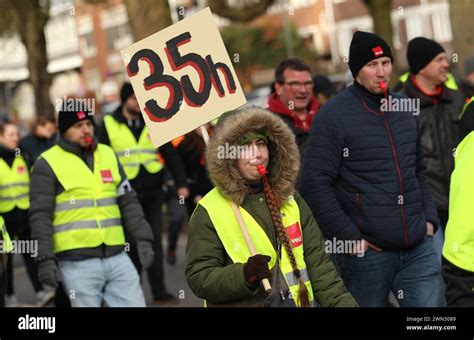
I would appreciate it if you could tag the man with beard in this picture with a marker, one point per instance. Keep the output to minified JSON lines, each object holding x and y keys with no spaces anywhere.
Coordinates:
{"x":80,"y":204}
{"x":125,"y":131}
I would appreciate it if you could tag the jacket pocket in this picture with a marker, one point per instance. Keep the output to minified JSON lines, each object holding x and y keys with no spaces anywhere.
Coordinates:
{"x":360,"y":217}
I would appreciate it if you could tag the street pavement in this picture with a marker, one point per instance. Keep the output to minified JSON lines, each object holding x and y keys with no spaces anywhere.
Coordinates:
{"x":174,"y":279}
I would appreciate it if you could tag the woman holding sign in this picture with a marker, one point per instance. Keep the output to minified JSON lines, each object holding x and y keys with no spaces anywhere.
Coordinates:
{"x":253,"y":161}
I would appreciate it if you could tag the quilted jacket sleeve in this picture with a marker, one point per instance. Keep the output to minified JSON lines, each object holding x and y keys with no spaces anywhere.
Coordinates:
{"x":319,"y":173}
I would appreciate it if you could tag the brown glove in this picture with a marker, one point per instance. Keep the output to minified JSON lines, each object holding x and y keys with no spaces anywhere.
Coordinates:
{"x":256,"y":269}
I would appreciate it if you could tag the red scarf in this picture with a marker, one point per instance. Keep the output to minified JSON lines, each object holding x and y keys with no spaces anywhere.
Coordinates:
{"x":275,"y":105}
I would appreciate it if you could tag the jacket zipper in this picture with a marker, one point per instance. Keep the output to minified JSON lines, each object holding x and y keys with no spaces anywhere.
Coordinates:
{"x":400,"y":179}
{"x":360,"y":218}
{"x":397,"y":166}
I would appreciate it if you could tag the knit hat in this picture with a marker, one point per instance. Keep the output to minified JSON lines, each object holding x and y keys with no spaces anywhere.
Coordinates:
{"x":68,"y":118}
{"x":126,"y":92}
{"x":469,"y":65}
{"x":420,"y":52}
{"x":322,"y":84}
{"x":366,"y":47}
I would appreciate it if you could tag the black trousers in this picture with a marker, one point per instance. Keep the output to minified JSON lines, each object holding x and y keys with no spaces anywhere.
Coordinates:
{"x":18,"y":227}
{"x":151,"y":205}
{"x":61,"y":298}
{"x":176,"y":215}
{"x":2,"y":289}
{"x":459,"y":285}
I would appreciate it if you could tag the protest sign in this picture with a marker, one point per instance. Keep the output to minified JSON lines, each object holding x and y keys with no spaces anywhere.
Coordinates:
{"x":182,"y":77}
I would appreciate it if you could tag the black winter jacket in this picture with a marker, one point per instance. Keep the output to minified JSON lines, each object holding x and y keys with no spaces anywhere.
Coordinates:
{"x":439,"y":132}
{"x":363,"y":172}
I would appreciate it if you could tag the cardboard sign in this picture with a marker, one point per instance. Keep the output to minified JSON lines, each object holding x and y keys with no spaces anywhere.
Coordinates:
{"x":182,"y":77}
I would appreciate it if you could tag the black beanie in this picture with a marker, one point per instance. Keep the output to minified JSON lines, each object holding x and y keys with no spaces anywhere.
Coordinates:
{"x":420,"y":52}
{"x":126,"y":92}
{"x":323,"y":85}
{"x":365,"y":47}
{"x":68,"y":117}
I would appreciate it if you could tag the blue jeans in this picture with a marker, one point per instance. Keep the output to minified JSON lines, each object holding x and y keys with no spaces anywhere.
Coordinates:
{"x":113,"y":280}
{"x":412,"y":275}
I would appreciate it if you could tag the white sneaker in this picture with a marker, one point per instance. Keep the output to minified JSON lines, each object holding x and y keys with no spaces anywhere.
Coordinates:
{"x":43,"y":297}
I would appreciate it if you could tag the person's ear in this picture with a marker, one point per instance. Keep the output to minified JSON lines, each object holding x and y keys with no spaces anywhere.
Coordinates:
{"x":278,"y":88}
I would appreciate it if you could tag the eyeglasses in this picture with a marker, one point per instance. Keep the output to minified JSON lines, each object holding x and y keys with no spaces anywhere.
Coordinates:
{"x":295,"y":85}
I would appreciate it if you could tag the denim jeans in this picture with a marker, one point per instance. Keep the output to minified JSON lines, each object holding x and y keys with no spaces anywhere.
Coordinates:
{"x":412,"y":275}
{"x":112,"y":280}
{"x":438,"y":243}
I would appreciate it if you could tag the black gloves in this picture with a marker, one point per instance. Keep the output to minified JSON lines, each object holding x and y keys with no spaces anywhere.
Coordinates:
{"x":48,"y":273}
{"x":145,"y":253}
{"x":256,"y":269}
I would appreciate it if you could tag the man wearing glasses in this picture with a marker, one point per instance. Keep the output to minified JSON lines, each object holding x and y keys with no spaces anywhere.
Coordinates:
{"x":293,"y":98}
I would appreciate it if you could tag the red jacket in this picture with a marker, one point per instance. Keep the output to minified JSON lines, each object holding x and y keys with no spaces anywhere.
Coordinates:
{"x":275,"y":105}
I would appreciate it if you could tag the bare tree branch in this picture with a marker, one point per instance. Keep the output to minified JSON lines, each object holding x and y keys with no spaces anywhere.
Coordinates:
{"x":247,"y":12}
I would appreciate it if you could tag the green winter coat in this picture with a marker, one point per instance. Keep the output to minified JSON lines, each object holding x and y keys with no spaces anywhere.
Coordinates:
{"x":210,"y":272}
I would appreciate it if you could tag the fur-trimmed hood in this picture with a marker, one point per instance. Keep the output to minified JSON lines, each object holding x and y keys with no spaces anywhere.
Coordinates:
{"x":284,"y":162}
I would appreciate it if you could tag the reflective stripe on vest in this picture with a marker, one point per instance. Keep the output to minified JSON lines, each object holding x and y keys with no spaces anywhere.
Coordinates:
{"x":7,"y":245}
{"x":86,"y":213}
{"x":459,"y":243}
{"x":221,"y":215}
{"x":14,"y":185}
{"x":131,"y":153}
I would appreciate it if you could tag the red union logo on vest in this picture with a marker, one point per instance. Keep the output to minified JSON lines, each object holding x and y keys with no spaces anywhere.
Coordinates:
{"x":294,"y":232}
{"x":377,"y":51}
{"x":106,"y":176}
{"x":21,"y":169}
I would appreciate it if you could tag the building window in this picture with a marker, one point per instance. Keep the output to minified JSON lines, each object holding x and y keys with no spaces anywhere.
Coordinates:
{"x":442,"y":26}
{"x":85,"y":29}
{"x":414,"y":26}
{"x":93,"y":81}
{"x":89,"y":48}
{"x":61,"y":35}
{"x":118,"y":37}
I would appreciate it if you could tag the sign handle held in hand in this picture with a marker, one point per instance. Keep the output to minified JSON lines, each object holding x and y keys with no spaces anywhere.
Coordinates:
{"x":248,"y":240}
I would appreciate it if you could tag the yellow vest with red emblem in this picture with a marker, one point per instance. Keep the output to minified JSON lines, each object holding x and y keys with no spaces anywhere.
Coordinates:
{"x":131,"y":153}
{"x":86,"y":213}
{"x":228,"y":230}
{"x":14,"y":185}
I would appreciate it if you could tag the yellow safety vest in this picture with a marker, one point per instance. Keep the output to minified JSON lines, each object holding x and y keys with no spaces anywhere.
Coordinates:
{"x":131,"y":153}
{"x":228,"y":229}
{"x":14,"y":185}
{"x":459,"y":243}
{"x":86,"y":213}
{"x":450,"y":82}
{"x":7,"y":242}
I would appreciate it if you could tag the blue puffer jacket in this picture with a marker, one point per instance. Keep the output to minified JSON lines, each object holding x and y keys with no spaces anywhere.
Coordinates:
{"x":364,"y":175}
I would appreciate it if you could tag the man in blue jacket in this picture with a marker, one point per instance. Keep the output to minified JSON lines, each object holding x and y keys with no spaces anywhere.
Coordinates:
{"x":364,"y":178}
